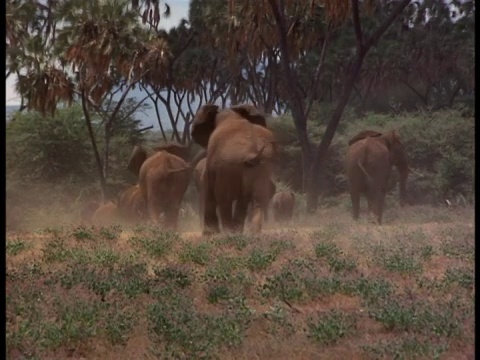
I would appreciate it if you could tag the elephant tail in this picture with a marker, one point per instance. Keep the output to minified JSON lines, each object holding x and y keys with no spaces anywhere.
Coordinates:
{"x":360,"y":163}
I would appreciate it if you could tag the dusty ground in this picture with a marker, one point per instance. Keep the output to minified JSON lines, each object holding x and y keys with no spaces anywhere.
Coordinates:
{"x":318,"y":287}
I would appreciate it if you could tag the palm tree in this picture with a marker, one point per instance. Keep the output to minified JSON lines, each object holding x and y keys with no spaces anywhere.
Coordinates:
{"x":100,"y":47}
{"x":108,"y":49}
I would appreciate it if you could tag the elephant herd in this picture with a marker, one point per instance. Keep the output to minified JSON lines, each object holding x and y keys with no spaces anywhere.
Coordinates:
{"x":233,"y":174}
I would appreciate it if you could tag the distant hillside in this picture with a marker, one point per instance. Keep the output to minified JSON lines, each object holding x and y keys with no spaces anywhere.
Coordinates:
{"x":9,"y":110}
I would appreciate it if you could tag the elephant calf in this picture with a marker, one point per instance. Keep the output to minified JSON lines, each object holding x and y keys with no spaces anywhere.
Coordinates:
{"x":163,"y":179}
{"x":283,"y":203}
{"x":106,"y":214}
{"x":131,"y":204}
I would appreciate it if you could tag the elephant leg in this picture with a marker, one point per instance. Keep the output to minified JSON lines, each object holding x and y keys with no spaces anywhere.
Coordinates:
{"x":200,"y":206}
{"x":355,"y":197}
{"x":240,"y":214}
{"x":266,"y":214}
{"x":171,"y":216}
{"x":210,"y":218}
{"x":225,"y":209}
{"x":154,"y":209}
{"x":276,"y":215}
{"x":257,"y":218}
{"x":380,"y":205}
{"x":372,"y":202}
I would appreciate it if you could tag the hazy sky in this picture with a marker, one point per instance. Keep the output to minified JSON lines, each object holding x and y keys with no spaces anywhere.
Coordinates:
{"x":178,"y":10}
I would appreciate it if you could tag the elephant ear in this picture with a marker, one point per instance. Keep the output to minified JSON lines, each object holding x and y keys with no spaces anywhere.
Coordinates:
{"x":362,"y":135}
{"x":204,"y":124}
{"x":392,"y":139}
{"x":175,"y":148}
{"x":137,"y":158}
{"x":251,"y":113}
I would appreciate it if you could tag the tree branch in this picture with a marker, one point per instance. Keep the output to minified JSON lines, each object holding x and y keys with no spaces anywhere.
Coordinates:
{"x":373,"y":39}
{"x":357,"y":26}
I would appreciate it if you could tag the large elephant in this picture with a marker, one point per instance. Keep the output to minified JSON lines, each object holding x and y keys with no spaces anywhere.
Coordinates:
{"x":163,"y":179}
{"x":240,"y":152}
{"x":283,"y":203}
{"x":368,"y":165}
{"x":131,"y":204}
{"x":198,"y":177}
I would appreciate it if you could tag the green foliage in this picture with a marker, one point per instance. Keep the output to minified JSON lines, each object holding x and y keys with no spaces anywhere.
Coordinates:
{"x":49,"y":148}
{"x":176,"y":275}
{"x":198,"y":254}
{"x":439,"y":146}
{"x":184,"y":331}
{"x":437,"y":318}
{"x":16,"y":247}
{"x":158,"y":243}
{"x":329,"y":328}
{"x":259,"y":259}
{"x":50,"y":162}
{"x":408,"y":347}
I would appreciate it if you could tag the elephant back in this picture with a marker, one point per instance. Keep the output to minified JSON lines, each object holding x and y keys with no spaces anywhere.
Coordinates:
{"x":241,"y":142}
{"x":363,"y":135}
{"x":105,"y":214}
{"x":174,"y":148}
{"x":161,"y":164}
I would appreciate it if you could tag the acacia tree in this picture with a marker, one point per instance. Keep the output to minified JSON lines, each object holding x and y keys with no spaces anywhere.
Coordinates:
{"x":286,"y":24}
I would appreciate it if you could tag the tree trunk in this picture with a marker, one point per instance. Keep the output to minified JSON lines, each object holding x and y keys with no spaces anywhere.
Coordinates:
{"x":321,"y":153}
{"x":98,"y":161}
{"x":106,"y":151}
{"x":362,"y":49}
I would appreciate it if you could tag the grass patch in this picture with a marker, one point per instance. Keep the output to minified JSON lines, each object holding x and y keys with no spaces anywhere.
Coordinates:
{"x":402,"y":259}
{"x":16,"y":247}
{"x":326,"y":250}
{"x":438,"y":319}
{"x":176,"y":275}
{"x":80,"y":295}
{"x":329,"y":328}
{"x":462,"y":277}
{"x":327,"y":233}
{"x":279,"y":319}
{"x":408,"y":347}
{"x":157,"y":244}
{"x":183,"y":332}
{"x":83,"y":233}
{"x":258,"y":259}
{"x":111,"y":232}
{"x":225,"y":280}
{"x":238,"y":241}
{"x":197,"y":254}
